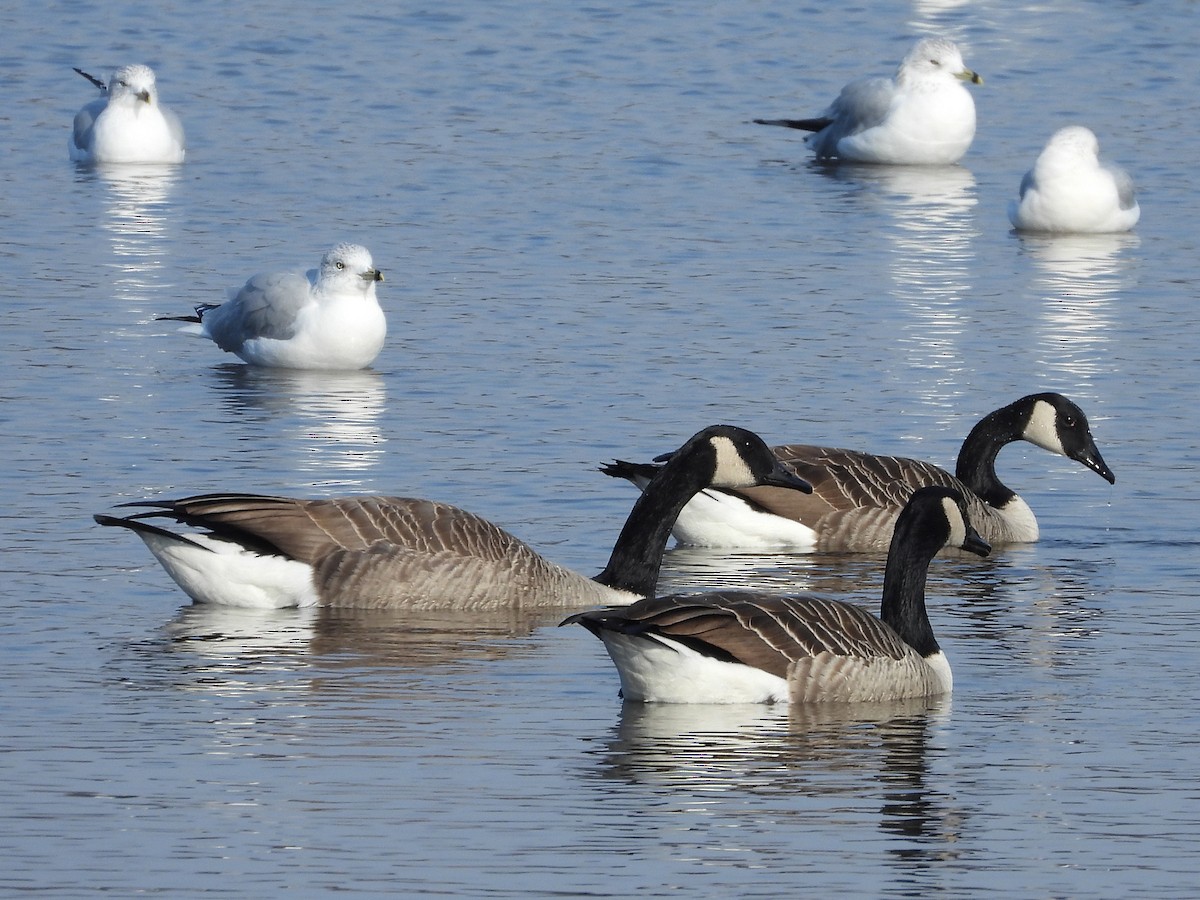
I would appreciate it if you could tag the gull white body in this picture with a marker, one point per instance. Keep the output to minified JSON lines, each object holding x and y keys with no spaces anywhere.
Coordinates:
{"x":1070,"y":191}
{"x":127,"y":124}
{"x":922,"y":116}
{"x":329,"y":318}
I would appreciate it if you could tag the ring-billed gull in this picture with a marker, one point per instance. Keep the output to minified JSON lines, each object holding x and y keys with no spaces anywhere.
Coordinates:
{"x":923,"y":116}
{"x":127,"y":124}
{"x":1070,"y":190}
{"x":328,"y":318}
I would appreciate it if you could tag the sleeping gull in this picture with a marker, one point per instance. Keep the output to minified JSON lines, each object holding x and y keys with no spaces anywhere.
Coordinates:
{"x":1069,"y":190}
{"x":327,"y":319}
{"x":127,"y":124}
{"x":922,"y":116}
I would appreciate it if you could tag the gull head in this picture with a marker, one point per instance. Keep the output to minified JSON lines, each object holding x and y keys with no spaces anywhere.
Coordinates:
{"x":935,"y":59}
{"x":347,"y":266}
{"x":133,"y":85}
{"x":1073,"y":144}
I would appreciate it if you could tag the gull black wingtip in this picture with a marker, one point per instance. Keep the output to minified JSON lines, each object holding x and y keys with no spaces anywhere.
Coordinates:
{"x":92,"y":78}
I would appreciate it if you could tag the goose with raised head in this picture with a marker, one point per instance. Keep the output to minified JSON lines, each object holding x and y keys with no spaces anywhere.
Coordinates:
{"x":397,"y":552}
{"x":749,"y":647}
{"x":857,"y":496}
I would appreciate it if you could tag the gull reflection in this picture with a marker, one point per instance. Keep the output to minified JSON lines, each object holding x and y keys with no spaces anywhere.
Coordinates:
{"x":712,"y":754}
{"x":930,"y":259}
{"x":1078,"y":277}
{"x":331,"y":418}
{"x":138,"y":221}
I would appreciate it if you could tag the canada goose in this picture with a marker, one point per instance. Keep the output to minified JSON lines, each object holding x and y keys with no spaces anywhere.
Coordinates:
{"x":1069,"y":190}
{"x":126,"y":124}
{"x":394,"y":552}
{"x":922,"y":116}
{"x":857,"y":496}
{"x":328,"y":318}
{"x":749,"y":647}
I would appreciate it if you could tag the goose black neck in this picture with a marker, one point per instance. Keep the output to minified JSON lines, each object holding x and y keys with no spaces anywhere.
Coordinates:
{"x":977,"y":457}
{"x":903,"y":606}
{"x":638,"y":553}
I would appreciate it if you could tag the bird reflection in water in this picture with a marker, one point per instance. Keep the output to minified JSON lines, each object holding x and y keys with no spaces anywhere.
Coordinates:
{"x":330,"y":420}
{"x":138,"y":219}
{"x":1080,"y":278}
{"x":719,"y":753}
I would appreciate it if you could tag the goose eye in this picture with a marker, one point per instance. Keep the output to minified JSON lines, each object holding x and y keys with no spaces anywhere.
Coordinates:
{"x":1069,"y":420}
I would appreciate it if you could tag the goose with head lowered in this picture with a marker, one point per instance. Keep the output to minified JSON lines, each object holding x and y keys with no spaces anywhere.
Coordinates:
{"x":750,"y":647}
{"x":398,"y":552}
{"x":857,"y":496}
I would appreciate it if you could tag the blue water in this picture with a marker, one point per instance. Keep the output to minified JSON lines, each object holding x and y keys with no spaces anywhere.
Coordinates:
{"x":590,"y":252}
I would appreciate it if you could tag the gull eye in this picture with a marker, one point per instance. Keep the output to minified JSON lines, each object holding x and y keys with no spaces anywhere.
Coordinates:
{"x":340,"y":265}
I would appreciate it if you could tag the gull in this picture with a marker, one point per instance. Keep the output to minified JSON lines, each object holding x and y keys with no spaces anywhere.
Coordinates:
{"x":923,"y":116}
{"x":328,"y":318}
{"x":127,"y":124}
{"x":1070,"y":190}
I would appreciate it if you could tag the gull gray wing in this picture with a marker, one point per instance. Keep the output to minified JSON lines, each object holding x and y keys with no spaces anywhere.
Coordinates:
{"x":85,"y":121}
{"x":1125,"y":191}
{"x":266,"y":307}
{"x":862,"y":104}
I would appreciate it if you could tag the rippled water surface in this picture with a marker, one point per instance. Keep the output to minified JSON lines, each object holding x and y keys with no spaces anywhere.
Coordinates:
{"x":590,"y":252}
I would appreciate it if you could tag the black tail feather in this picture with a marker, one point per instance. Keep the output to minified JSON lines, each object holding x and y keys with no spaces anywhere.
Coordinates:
{"x":801,"y":124}
{"x":93,"y":79}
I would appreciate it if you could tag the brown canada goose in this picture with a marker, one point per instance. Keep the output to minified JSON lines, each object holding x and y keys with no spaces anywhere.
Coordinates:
{"x":399,"y":552}
{"x":857,"y":496}
{"x":750,"y":647}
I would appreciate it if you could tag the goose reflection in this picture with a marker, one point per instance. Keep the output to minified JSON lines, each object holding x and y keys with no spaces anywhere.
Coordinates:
{"x":231,"y":650}
{"x":331,"y":418}
{"x":857,"y":577}
{"x":1079,"y":276}
{"x":138,"y":220}
{"x":719,"y":753}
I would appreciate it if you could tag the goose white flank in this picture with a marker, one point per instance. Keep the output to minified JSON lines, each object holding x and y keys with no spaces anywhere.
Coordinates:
{"x":328,"y":318}
{"x":922,"y":116}
{"x":126,"y":124}
{"x":751,"y":647}
{"x":1070,"y":191}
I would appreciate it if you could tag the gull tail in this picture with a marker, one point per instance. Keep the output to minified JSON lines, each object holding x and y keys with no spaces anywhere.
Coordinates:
{"x":801,"y":124}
